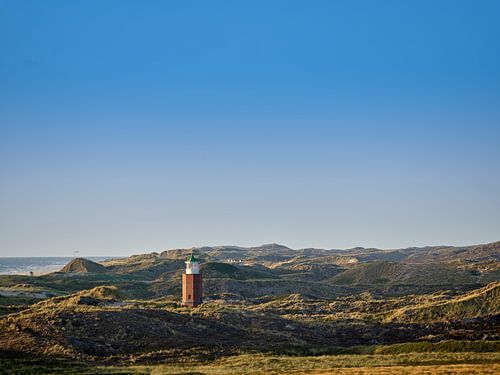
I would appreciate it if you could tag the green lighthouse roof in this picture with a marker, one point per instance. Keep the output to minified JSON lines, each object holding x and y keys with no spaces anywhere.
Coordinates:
{"x":191,"y":258}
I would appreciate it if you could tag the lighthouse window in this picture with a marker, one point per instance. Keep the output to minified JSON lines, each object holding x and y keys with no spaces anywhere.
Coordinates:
{"x":189,"y":296}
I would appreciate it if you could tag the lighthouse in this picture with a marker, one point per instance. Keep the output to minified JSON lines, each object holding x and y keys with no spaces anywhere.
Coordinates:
{"x":191,"y":283}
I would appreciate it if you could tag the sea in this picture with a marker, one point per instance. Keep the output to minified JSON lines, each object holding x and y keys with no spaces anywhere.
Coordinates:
{"x":37,"y":265}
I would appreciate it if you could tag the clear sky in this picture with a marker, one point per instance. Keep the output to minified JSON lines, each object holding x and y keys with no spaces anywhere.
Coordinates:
{"x":133,"y":126}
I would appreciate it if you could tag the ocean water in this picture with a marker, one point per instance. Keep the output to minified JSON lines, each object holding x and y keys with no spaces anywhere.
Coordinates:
{"x":37,"y":265}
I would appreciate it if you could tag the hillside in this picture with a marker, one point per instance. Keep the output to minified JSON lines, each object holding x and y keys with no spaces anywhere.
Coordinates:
{"x":275,"y":270}
{"x":218,"y":270}
{"x":99,"y":323}
{"x":483,"y":255}
{"x":392,"y":273}
{"x":82,"y":265}
{"x":478,"y":303}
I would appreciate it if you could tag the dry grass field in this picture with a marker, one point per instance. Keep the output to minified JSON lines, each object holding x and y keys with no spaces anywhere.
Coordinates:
{"x":418,"y":370}
{"x":407,"y":363}
{"x":410,"y":363}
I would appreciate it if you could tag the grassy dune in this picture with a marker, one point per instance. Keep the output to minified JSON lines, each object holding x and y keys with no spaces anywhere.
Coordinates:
{"x":484,"y":301}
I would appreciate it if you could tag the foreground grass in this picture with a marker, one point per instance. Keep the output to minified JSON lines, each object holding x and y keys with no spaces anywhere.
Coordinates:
{"x":428,"y":363}
{"x":245,"y":364}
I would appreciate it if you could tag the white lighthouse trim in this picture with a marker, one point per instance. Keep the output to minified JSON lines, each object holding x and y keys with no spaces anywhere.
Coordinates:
{"x":192,"y":265}
{"x":192,"y":268}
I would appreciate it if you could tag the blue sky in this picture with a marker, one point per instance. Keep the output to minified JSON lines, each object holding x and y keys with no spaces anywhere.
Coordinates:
{"x":131,"y":126}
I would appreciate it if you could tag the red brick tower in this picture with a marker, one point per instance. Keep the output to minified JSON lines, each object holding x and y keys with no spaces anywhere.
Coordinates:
{"x":192,"y":292}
